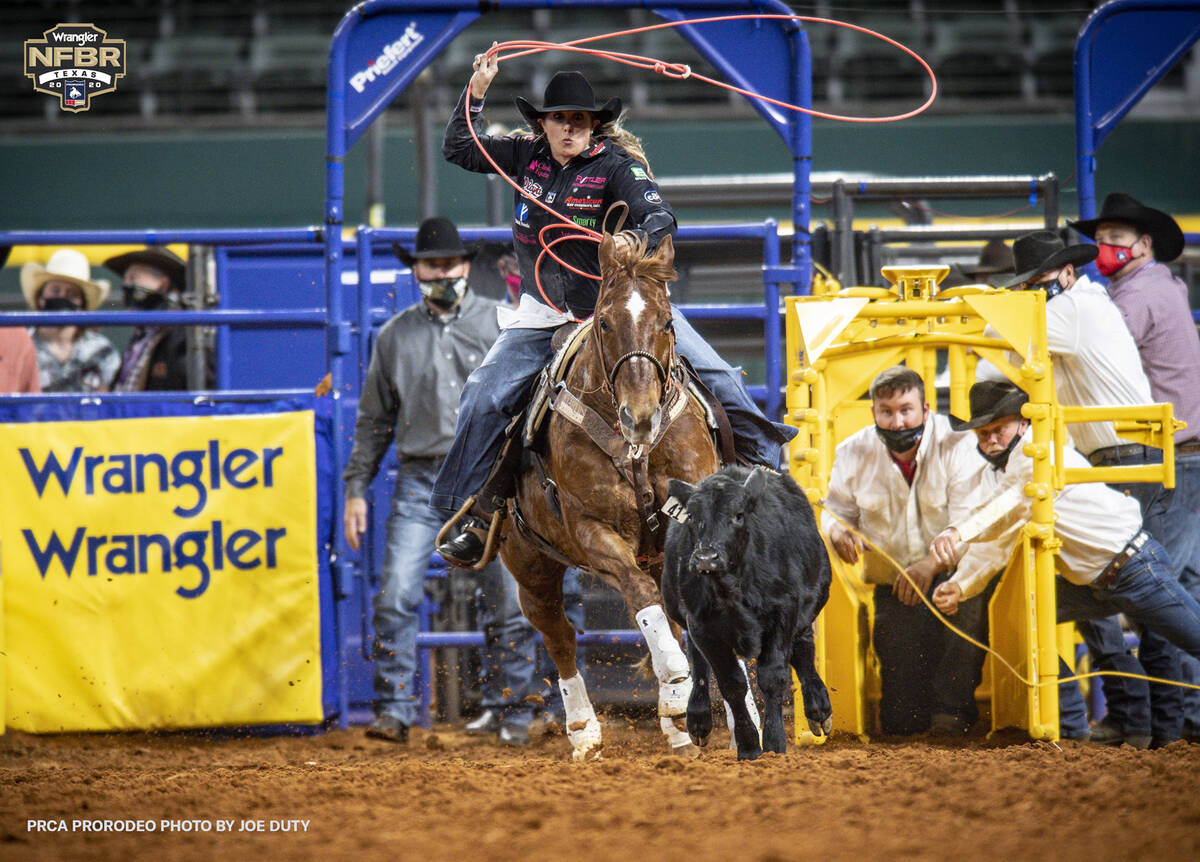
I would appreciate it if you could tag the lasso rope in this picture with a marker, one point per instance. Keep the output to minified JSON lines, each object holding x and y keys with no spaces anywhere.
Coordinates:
{"x":946,"y":622}
{"x":678,"y":71}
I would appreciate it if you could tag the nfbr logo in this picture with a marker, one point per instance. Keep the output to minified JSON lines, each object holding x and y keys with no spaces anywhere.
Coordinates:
{"x":74,"y":62}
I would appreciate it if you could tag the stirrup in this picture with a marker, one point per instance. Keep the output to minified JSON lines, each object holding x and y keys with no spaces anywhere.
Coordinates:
{"x":490,"y":545}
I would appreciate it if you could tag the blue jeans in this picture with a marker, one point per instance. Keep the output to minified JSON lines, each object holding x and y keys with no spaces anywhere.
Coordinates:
{"x":513,"y":663}
{"x":493,"y":394}
{"x":1147,"y":592}
{"x":411,"y":529}
{"x":1172,"y":516}
{"x":1072,"y":709}
{"x":1126,"y":700}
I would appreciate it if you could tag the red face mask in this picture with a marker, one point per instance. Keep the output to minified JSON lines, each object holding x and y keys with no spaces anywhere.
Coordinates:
{"x":1113,"y":257}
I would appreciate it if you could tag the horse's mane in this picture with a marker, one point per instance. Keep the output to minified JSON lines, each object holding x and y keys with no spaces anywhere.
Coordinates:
{"x":635,"y":261}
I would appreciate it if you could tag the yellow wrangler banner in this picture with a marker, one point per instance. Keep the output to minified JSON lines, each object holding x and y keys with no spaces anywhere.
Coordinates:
{"x":160,"y":572}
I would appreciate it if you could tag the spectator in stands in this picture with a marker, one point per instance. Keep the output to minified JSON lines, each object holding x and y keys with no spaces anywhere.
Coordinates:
{"x":1095,"y":364}
{"x":156,"y":358}
{"x":900,"y":482}
{"x":70,"y":358}
{"x":578,"y":162}
{"x":18,"y":356}
{"x":420,"y":360}
{"x":1107,"y":563}
{"x":1135,"y":243}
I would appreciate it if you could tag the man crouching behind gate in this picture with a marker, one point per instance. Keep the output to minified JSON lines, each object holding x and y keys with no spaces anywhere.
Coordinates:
{"x":899,"y":483}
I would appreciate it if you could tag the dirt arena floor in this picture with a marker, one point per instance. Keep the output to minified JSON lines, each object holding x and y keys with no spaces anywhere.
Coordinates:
{"x":449,"y":796}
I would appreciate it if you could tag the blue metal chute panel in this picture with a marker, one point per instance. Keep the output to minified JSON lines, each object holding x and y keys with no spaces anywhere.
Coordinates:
{"x":275,"y":277}
{"x":760,"y":63}
{"x":1130,"y":51}
{"x":385,"y":51}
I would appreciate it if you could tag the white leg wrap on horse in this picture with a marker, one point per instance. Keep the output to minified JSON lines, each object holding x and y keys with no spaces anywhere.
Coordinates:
{"x":670,"y":664}
{"x":751,"y":707}
{"x":678,"y":738}
{"x":583,"y":728}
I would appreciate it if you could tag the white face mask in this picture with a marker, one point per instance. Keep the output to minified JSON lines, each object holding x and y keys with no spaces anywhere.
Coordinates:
{"x":444,"y":292}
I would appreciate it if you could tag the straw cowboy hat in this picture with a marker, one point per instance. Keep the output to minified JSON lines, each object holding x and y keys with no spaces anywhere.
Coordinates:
{"x":66,"y":264}
{"x":991,"y":400}
{"x":1119,"y":207}
{"x":569,"y":91}
{"x":163,"y":259}
{"x":1041,"y":251}
{"x":436,"y":237}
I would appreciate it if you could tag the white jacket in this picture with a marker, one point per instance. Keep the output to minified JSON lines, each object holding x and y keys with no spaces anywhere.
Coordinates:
{"x":868,"y":491}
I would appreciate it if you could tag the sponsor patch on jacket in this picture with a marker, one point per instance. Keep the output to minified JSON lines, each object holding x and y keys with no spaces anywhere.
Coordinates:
{"x":533,"y":188}
{"x":583,"y":221}
{"x":596,"y":150}
{"x":590,"y":182}
{"x":590,"y":203}
{"x":653,"y":197}
{"x":638,"y":173}
{"x":539,"y":168}
{"x":521,"y":215}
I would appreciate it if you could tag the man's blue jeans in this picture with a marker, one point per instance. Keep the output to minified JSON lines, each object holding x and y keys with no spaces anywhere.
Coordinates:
{"x":1172,"y":516}
{"x":411,"y":530}
{"x":513,"y":663}
{"x":1126,"y":700}
{"x":494,"y":390}
{"x":1147,"y":592}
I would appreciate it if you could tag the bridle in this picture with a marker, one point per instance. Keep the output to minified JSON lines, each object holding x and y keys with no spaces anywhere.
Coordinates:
{"x":665,"y":373}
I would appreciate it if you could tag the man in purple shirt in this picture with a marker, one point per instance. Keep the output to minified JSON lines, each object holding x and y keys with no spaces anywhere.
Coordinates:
{"x":1135,"y":243}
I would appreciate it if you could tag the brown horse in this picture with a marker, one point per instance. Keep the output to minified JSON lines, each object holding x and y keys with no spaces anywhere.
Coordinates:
{"x":621,"y":429}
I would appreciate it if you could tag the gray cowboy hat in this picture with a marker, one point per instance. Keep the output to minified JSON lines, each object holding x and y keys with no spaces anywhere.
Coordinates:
{"x":991,"y":400}
{"x":569,"y":91}
{"x":436,"y":237}
{"x":163,"y":259}
{"x":1120,"y":207}
{"x":1041,"y":251}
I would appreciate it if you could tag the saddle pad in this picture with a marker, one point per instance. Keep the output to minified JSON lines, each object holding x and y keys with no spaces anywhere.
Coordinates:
{"x":539,"y":403}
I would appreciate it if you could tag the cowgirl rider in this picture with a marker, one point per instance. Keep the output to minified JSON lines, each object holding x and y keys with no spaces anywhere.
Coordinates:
{"x":578,"y":161}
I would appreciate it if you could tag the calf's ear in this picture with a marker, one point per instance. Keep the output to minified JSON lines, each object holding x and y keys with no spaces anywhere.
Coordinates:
{"x":680,"y":490}
{"x":756,"y":482}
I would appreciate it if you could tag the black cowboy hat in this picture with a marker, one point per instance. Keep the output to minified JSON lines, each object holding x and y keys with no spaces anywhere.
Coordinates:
{"x":1041,"y":251}
{"x":991,"y":400}
{"x":1119,"y":207}
{"x":163,"y":259}
{"x":569,"y":91}
{"x":436,"y":237}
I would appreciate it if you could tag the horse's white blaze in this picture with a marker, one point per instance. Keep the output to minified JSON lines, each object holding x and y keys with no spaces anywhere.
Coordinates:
{"x":635,"y":304}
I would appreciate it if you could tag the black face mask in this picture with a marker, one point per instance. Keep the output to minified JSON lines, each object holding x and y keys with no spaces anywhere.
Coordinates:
{"x":900,"y":439}
{"x":60,"y":303}
{"x":146,"y":300}
{"x":1000,"y":459}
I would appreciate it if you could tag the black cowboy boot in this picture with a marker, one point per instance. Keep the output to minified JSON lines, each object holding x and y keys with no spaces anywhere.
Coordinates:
{"x":466,"y":549}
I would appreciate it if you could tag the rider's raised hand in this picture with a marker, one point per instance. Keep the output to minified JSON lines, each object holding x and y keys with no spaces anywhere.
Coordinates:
{"x":485,"y":67}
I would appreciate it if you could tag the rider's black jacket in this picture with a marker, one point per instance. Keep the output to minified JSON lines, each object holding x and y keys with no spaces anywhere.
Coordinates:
{"x":582,"y":190}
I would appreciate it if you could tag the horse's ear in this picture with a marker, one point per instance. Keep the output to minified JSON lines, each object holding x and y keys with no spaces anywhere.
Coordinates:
{"x":756,"y":482}
{"x":680,"y":490}
{"x":665,"y":253}
{"x":608,"y":252}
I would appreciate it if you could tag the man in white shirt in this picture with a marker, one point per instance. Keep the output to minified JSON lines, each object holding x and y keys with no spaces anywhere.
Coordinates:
{"x":900,"y":482}
{"x":1107,"y":563}
{"x":1096,"y":363}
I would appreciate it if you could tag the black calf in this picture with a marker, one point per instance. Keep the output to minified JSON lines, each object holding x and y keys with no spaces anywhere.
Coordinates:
{"x":746,"y":574}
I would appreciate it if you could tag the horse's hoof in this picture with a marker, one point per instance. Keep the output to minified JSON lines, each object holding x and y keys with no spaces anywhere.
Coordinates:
{"x":749,"y":754}
{"x":822,"y":728}
{"x":688,"y":750}
{"x":699,"y":741}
